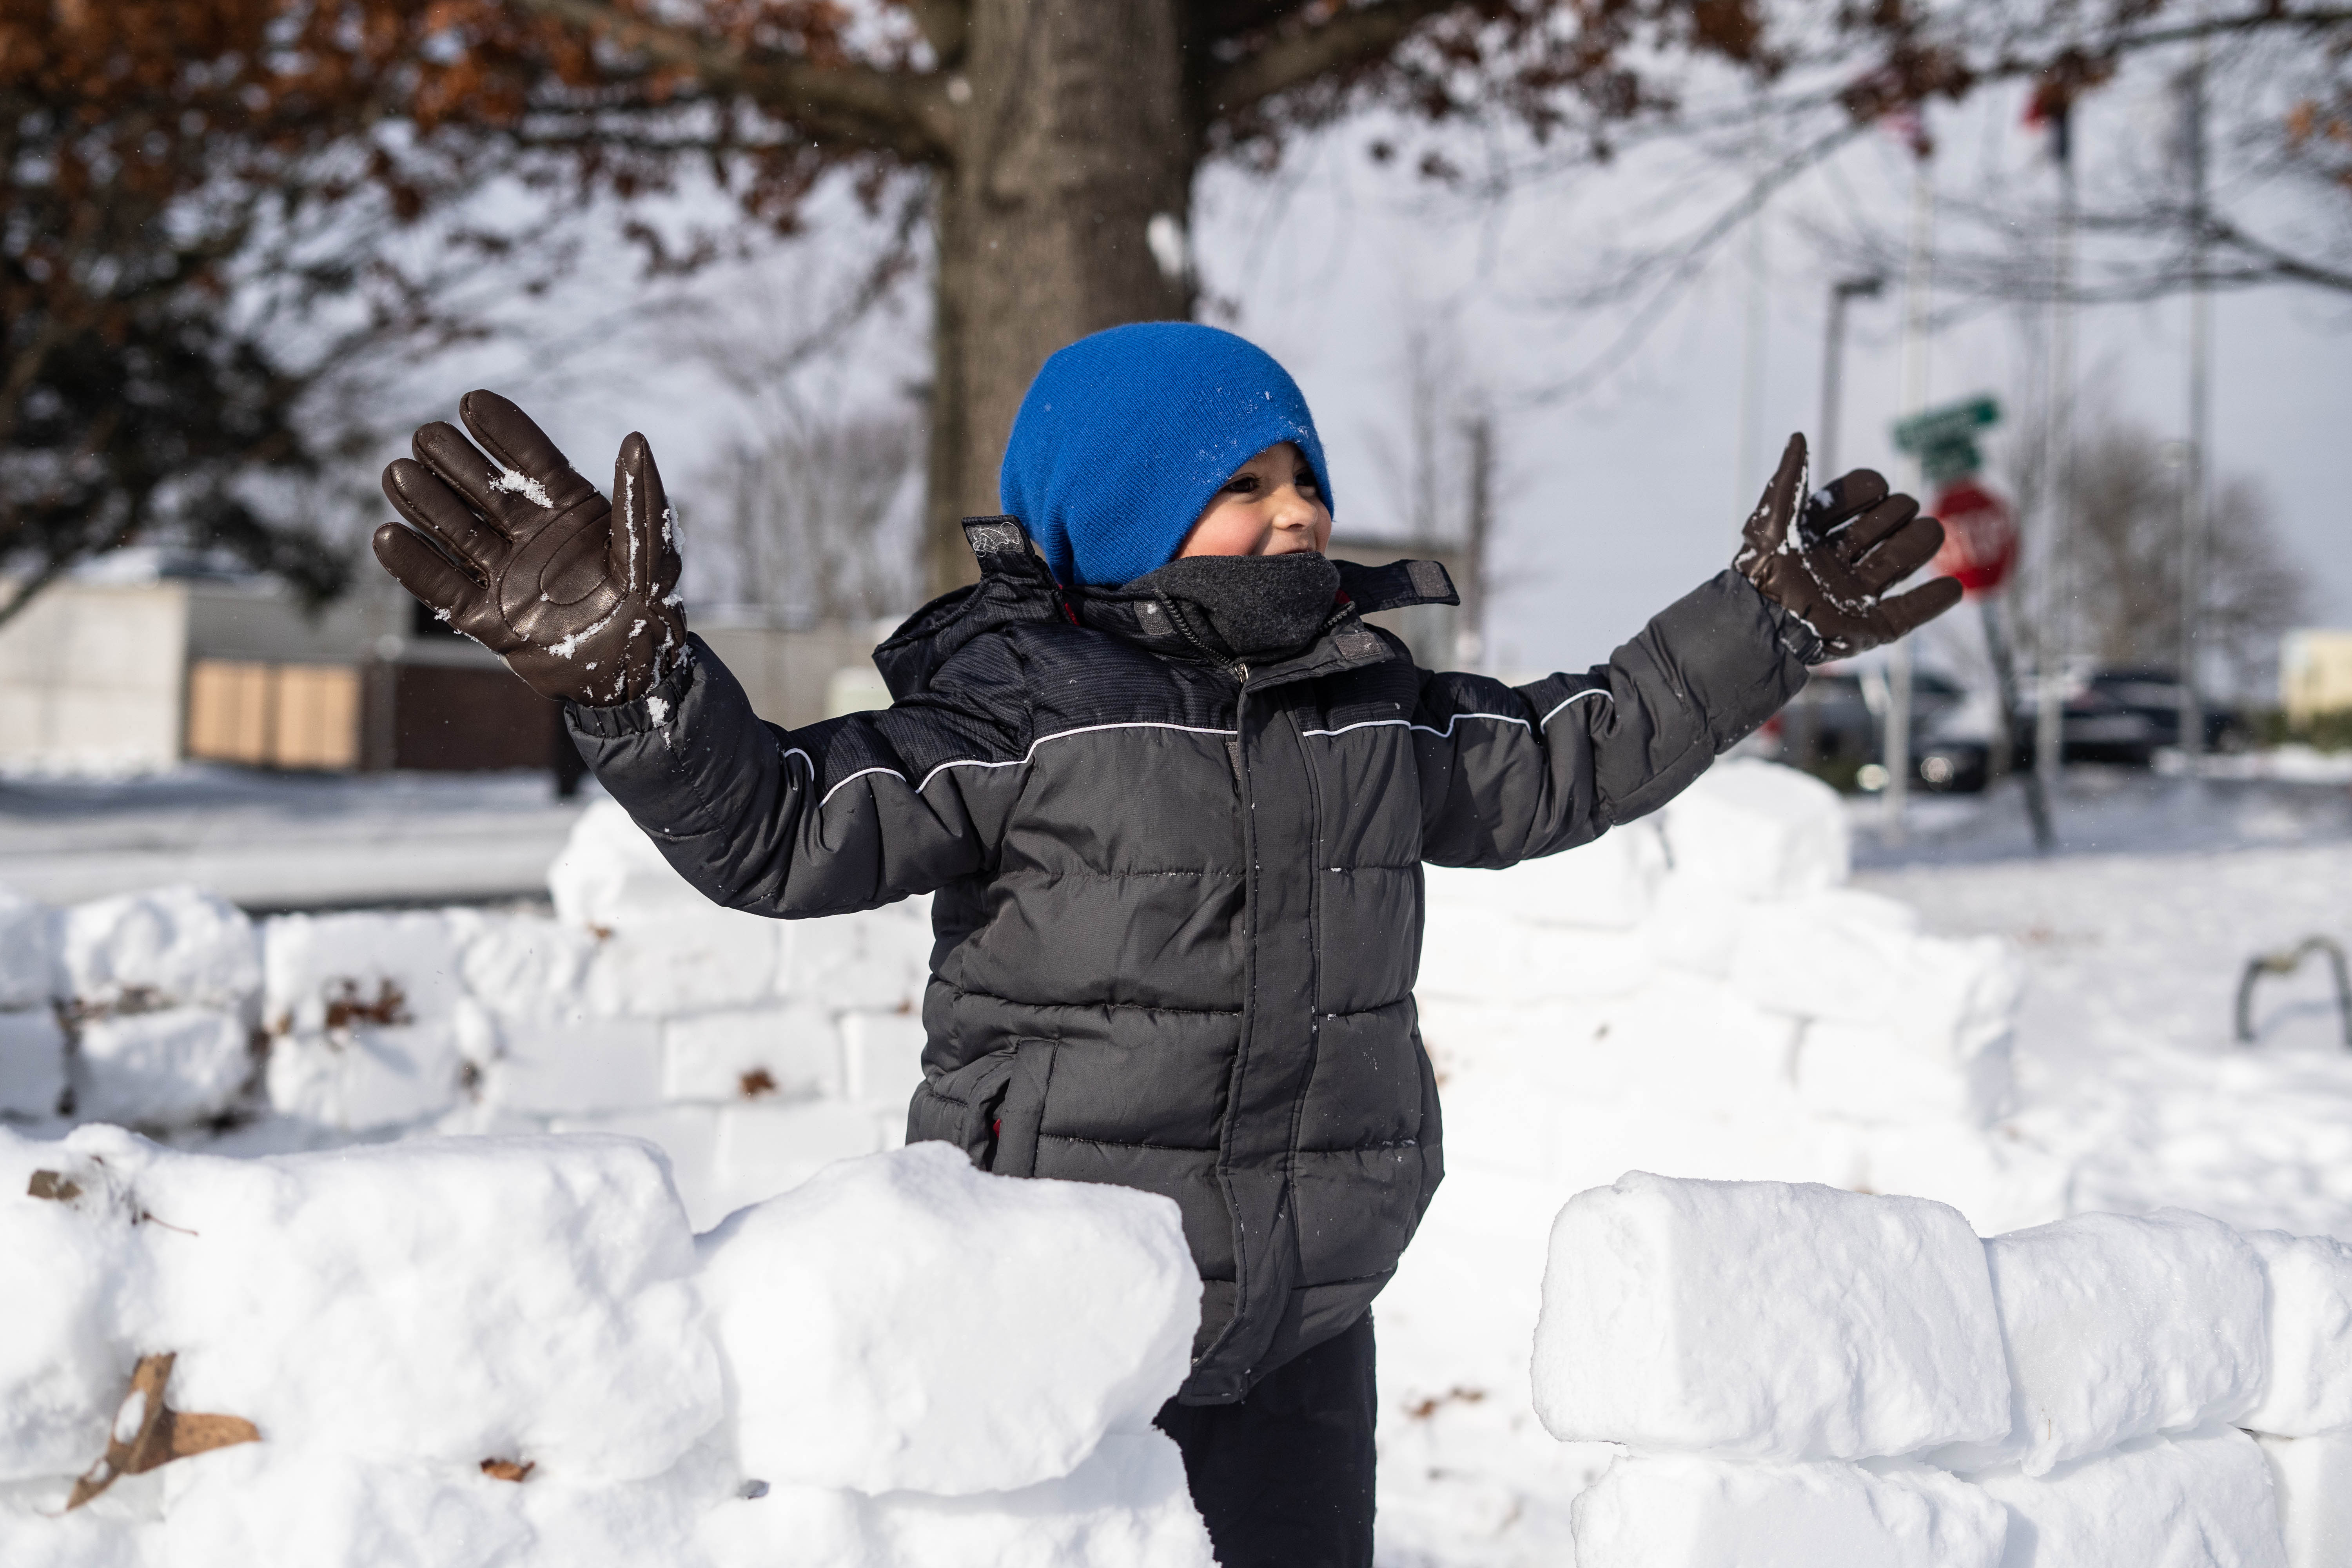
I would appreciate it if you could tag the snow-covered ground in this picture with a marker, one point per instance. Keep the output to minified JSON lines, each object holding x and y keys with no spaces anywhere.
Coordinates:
{"x":271,"y":841}
{"x":1710,"y":996}
{"x":2134,"y":942}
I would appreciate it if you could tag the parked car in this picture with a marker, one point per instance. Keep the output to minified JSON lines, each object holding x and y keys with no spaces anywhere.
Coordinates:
{"x":1832,"y":729}
{"x":2128,"y":716}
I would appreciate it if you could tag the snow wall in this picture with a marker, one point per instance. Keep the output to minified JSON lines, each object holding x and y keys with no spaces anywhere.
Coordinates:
{"x":1803,"y":1375}
{"x":1696,"y":993}
{"x":461,"y":1351}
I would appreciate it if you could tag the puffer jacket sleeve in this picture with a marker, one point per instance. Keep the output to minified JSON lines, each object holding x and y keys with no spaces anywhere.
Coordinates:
{"x":846,"y":814}
{"x":1509,"y":773}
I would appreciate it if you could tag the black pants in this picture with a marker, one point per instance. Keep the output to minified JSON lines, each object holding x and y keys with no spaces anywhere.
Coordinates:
{"x":1283,"y":1477}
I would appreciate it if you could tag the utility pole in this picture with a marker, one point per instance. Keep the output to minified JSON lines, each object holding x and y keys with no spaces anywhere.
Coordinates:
{"x":1915,"y":279}
{"x":2050,"y":705}
{"x":2196,"y":473}
{"x":1843,"y":292}
{"x":1478,"y":436}
{"x":1751,"y":370}
{"x":1801,"y":737}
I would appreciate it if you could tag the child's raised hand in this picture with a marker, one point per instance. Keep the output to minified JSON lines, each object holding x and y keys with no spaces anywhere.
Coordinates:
{"x":519,"y":552}
{"x":1829,"y":557}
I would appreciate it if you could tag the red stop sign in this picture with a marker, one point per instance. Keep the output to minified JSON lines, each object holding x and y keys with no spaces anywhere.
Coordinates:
{"x":1979,"y":536}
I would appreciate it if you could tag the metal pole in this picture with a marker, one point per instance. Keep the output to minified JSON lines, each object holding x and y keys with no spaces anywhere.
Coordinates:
{"x":1751,"y":352}
{"x":1801,"y":739}
{"x":2004,"y":671}
{"x":1897,"y":758}
{"x":2196,"y":473}
{"x":1842,"y":293}
{"x":2049,"y":727}
{"x":1478,"y":434}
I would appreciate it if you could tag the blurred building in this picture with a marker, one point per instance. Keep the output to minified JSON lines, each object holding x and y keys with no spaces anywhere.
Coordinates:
{"x":2315,"y":674}
{"x":137,"y":668}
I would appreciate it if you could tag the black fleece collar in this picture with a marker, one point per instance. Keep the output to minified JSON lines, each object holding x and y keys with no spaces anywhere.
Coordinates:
{"x":1014,"y":586}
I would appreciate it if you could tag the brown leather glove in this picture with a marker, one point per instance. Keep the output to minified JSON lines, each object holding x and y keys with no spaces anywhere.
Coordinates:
{"x":520,"y":554}
{"x":1828,"y":558}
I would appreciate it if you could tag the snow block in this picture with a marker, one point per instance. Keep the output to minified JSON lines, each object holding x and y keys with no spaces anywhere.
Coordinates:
{"x":27,"y":960}
{"x":2203,"y":1499}
{"x":1487,"y":955}
{"x":1692,"y":1510}
{"x":261,"y":1506}
{"x":522,"y":965}
{"x":533,"y":1299}
{"x":575,"y":1067}
{"x":182,"y":1064}
{"x":1766,"y":1321}
{"x":609,"y":875}
{"x":1694,"y":927}
{"x":1125,"y":1507}
{"x":1683,"y":1044}
{"x":905,"y":1323}
{"x":2312,"y":1478}
{"x":878,"y":960}
{"x":710,"y":958}
{"x":1609,"y":884}
{"x":2119,"y":1327}
{"x":791,"y":1052}
{"x":2308,"y":1392}
{"x":1854,"y":957}
{"x":1864,"y":1072}
{"x":883,"y":1055}
{"x":32,"y":1063}
{"x":763,"y":1149}
{"x":71,"y":1272}
{"x":345,"y":971}
{"x":687,"y":1136}
{"x":1756,"y":831}
{"x":175,"y":946}
{"x":360,"y":1078}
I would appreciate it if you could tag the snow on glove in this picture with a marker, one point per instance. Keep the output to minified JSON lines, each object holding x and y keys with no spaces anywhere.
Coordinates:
{"x":1828,"y":558}
{"x":522,"y":554}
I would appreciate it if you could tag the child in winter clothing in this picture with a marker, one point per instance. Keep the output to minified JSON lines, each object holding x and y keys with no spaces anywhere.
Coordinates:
{"x":1172,"y":797}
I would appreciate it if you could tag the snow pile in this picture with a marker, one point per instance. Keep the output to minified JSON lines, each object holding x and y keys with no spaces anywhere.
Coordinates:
{"x":1699,"y":991}
{"x":1804,"y":1375}
{"x":515,"y":1351}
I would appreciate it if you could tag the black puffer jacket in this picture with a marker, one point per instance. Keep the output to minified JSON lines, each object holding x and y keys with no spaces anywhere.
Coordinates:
{"x":1179,"y":900}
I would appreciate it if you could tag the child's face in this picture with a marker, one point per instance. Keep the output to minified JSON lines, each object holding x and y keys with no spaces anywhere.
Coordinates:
{"x":1272,"y":505}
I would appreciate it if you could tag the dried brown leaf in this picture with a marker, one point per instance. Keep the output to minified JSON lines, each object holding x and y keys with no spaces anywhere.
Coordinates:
{"x":53,"y":1185}
{"x":160,"y":1435}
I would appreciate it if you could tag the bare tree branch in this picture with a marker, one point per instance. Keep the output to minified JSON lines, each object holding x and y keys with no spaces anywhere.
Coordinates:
{"x":1354,"y":39}
{"x":903,"y":113}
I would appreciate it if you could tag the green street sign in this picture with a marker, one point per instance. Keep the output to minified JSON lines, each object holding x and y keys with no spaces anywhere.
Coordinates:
{"x":1944,"y":439}
{"x":1954,"y":421}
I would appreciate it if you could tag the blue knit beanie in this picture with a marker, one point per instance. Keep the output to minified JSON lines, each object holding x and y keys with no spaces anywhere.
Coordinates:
{"x":1126,"y":435}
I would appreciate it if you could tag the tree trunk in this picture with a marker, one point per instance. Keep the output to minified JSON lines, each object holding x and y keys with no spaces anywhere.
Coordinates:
{"x":1074,"y":135}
